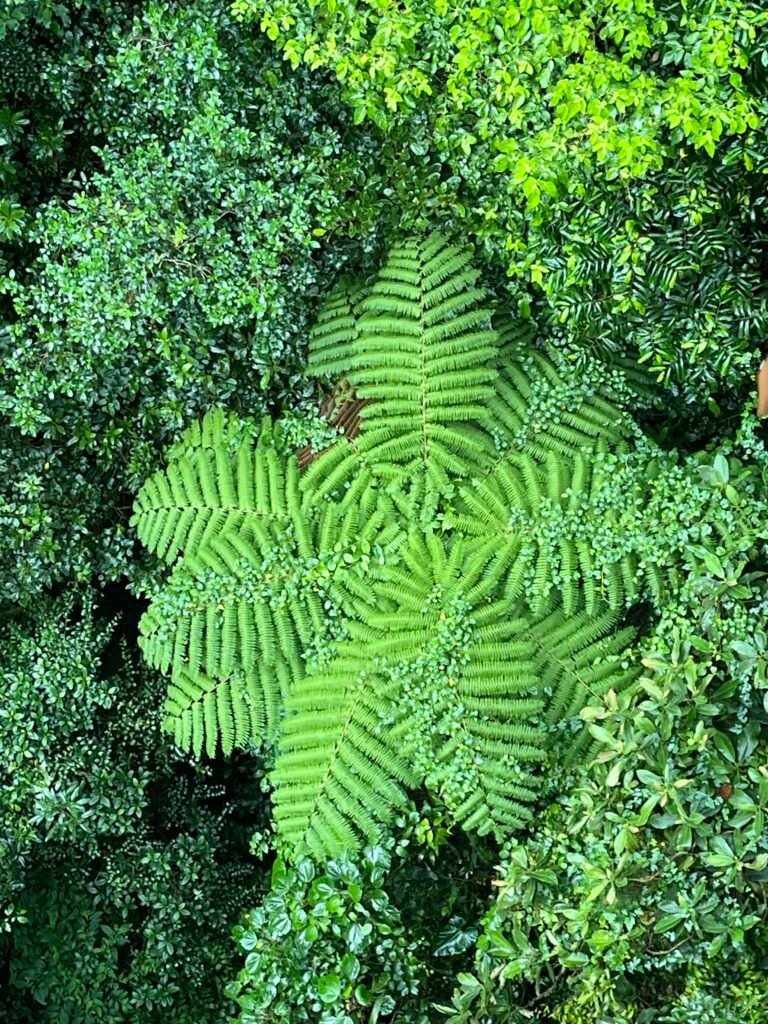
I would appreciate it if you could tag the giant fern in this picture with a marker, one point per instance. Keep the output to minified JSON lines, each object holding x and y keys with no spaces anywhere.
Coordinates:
{"x":452,"y":677}
{"x":423,"y":603}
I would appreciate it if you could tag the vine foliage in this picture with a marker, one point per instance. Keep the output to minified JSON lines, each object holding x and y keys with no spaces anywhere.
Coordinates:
{"x":387,"y":617}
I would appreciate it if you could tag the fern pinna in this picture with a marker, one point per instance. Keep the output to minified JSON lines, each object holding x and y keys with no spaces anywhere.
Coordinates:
{"x":389,"y":617}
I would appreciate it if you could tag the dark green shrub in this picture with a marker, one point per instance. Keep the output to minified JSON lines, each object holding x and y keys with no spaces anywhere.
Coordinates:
{"x":328,"y":945}
{"x":122,"y":865}
{"x":179,"y":275}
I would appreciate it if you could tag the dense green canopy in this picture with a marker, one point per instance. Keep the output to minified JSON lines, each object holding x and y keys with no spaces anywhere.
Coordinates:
{"x":514,"y":617}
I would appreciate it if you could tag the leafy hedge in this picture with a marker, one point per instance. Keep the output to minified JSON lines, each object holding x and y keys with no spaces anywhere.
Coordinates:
{"x":610,"y":155}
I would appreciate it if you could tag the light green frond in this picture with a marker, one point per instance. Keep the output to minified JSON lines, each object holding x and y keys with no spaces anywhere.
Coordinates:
{"x":331,"y":342}
{"x":539,"y":408}
{"x":460,"y":695}
{"x":339,"y":778}
{"x":422,"y":353}
{"x":578,"y":523}
{"x":222,"y":429}
{"x":245,"y":708}
{"x":579,"y":657}
{"x":212,"y":488}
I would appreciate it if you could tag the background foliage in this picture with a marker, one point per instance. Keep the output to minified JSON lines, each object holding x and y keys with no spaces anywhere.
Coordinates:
{"x":609,"y":154}
{"x":178,"y":271}
{"x":122,"y":865}
{"x":180,"y":185}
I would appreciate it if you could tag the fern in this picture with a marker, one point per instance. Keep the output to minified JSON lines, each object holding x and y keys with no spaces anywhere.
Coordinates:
{"x":337,"y":780}
{"x":420,"y":352}
{"x":579,"y":657}
{"x":209,"y":713}
{"x":210,"y":487}
{"x":430,"y":599}
{"x":456,"y":689}
{"x":582,"y":527}
{"x":538,"y":408}
{"x":331,"y":349}
{"x":231,"y":606}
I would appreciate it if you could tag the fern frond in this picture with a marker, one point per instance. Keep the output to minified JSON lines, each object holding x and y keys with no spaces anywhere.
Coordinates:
{"x":538,"y":409}
{"x":575,"y":530}
{"x":421,"y":354}
{"x":462,"y":699}
{"x":579,"y":657}
{"x":331,"y":341}
{"x":338,"y":779}
{"x":213,"y":488}
{"x":208,"y":713}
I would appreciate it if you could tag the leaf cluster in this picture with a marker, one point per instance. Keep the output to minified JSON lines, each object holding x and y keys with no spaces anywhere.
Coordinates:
{"x":609,"y":155}
{"x":174,"y":271}
{"x":328,"y":947}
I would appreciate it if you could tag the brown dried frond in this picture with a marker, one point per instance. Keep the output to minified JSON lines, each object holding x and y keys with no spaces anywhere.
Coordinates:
{"x":342,"y":410}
